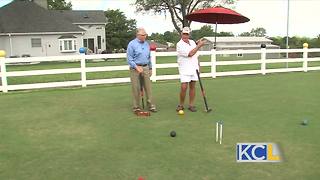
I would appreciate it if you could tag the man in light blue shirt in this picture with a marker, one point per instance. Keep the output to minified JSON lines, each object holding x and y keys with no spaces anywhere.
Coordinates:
{"x":138,"y":57}
{"x":138,"y":53}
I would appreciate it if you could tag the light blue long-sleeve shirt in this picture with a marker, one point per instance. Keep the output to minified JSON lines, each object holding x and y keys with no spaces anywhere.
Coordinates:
{"x":138,"y":53}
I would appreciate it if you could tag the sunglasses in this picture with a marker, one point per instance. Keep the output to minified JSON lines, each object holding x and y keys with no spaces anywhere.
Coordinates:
{"x":143,"y":34}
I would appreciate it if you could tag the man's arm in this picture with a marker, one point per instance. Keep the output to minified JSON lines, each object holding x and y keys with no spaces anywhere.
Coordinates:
{"x":130,"y":59}
{"x":200,"y":43}
{"x":130,"y":56}
{"x":150,"y":64}
{"x":149,"y":58}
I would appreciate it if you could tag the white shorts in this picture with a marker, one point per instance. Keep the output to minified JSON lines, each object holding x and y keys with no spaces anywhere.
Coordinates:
{"x":188,"y":78}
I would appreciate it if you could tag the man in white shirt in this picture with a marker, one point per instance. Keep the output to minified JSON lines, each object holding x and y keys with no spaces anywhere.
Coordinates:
{"x":188,"y":64}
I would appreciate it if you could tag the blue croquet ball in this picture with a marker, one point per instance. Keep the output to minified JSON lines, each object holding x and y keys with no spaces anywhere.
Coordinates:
{"x":305,"y":122}
{"x":82,"y":50}
{"x":173,"y":134}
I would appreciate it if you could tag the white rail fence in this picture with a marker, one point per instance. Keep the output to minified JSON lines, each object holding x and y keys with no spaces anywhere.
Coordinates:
{"x":83,"y":70}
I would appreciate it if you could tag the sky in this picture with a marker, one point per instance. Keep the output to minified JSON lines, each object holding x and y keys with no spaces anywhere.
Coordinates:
{"x":269,"y":14}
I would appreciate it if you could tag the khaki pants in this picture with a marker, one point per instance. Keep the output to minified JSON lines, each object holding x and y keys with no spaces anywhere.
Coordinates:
{"x":135,"y":82}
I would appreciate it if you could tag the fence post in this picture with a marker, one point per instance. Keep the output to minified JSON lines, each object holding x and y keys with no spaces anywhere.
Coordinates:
{"x":3,"y":71}
{"x":154,"y":66}
{"x":305,"y":57}
{"x":83,"y":67}
{"x":213,"y":63}
{"x":263,"y":58}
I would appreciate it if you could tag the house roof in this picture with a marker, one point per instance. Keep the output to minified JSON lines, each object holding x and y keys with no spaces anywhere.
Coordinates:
{"x":239,"y":39}
{"x":28,"y":17}
{"x":68,"y":36}
{"x":80,"y":17}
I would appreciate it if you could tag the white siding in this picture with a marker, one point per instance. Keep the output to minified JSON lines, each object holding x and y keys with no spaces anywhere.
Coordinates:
{"x":49,"y":45}
{"x":92,"y":32}
{"x":3,"y":43}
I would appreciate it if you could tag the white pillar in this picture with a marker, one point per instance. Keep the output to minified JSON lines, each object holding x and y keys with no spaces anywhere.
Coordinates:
{"x":83,"y":70}
{"x":213,"y":63}
{"x":154,"y":66}
{"x":3,"y":71}
{"x":263,"y":60}
{"x":305,"y":57}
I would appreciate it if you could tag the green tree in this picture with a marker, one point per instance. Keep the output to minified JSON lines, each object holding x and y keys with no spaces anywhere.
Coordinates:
{"x":177,"y":9}
{"x":207,"y":31}
{"x":257,"y":32}
{"x":245,"y":34}
{"x":204,"y":31}
{"x":224,"y":34}
{"x":296,"y":42}
{"x":172,"y":37}
{"x":280,"y":41}
{"x":157,"y":37}
{"x":59,"y":5}
{"x":119,"y":30}
{"x":315,"y":42}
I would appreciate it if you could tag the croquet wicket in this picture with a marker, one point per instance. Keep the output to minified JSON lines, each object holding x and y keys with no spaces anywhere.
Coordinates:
{"x":219,"y":126}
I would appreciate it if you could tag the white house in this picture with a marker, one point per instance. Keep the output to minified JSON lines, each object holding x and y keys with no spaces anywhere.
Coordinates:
{"x":240,"y":43}
{"x":232,"y":43}
{"x":28,"y":28}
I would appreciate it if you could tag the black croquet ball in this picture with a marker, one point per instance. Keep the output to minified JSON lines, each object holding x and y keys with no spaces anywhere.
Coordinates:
{"x":173,"y":134}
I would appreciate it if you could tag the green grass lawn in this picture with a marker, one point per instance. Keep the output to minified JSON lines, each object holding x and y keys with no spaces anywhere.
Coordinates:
{"x":90,"y":133}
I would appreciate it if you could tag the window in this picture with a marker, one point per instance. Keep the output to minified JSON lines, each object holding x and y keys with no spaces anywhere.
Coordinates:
{"x":68,"y":45}
{"x":99,"y":42}
{"x":35,"y":42}
{"x":85,"y":43}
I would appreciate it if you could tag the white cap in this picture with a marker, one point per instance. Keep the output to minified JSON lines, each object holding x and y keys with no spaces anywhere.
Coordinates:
{"x":186,"y":30}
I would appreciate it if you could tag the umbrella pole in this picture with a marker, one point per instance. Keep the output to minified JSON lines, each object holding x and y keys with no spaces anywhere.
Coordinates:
{"x":215,"y":37}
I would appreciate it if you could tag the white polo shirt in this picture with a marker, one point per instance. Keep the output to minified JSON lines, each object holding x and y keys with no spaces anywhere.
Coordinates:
{"x":187,"y":65}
